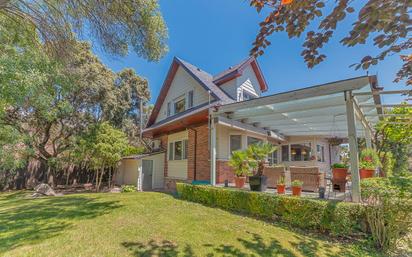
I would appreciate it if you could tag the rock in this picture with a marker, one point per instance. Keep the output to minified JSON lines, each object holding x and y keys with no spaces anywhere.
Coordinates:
{"x":44,"y":189}
{"x":115,"y":190}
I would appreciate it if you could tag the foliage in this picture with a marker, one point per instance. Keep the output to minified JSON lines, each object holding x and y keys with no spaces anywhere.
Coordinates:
{"x":104,"y":146}
{"x":388,"y":163}
{"x":337,"y":218}
{"x":386,"y":22}
{"x":48,"y":104}
{"x":240,"y":163}
{"x":257,"y":154}
{"x":281,"y":180}
{"x":393,"y":136}
{"x":340,"y":166}
{"x":128,"y":188}
{"x":388,"y":210}
{"x":116,"y":25}
{"x":297,"y":183}
{"x":369,"y":159}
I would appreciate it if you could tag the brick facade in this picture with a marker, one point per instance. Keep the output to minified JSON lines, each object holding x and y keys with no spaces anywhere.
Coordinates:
{"x":198,"y":158}
{"x":224,"y":172}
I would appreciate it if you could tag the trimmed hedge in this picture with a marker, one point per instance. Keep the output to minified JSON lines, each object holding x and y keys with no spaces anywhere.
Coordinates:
{"x":336,"y":218}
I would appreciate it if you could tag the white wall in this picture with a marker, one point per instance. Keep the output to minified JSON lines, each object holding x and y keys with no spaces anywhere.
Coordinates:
{"x":127,"y":172}
{"x":176,"y":168}
{"x":182,"y":83}
{"x":158,"y":169}
{"x":247,"y":81}
{"x":222,"y":140}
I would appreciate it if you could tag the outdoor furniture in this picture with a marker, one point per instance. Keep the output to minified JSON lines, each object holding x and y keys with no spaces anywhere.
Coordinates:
{"x":273,"y":174}
{"x":312,"y":177}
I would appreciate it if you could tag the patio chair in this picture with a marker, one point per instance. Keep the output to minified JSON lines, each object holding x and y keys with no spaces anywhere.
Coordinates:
{"x":273,"y":174}
{"x":312,"y":177}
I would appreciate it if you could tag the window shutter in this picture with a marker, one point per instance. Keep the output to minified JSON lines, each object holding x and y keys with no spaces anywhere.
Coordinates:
{"x":190,"y":99}
{"x":168,"y":109}
{"x":170,"y":151}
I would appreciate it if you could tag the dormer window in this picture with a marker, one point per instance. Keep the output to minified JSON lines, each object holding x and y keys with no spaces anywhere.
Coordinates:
{"x":179,"y":105}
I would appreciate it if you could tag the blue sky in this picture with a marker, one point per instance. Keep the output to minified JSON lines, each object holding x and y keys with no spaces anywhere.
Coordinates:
{"x":214,"y":35}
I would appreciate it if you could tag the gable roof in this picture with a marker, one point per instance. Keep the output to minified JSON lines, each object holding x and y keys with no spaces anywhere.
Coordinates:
{"x":236,"y":71}
{"x":202,"y":77}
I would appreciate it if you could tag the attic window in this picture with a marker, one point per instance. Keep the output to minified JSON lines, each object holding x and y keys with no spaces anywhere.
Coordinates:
{"x":247,"y":96}
{"x":179,"y":105}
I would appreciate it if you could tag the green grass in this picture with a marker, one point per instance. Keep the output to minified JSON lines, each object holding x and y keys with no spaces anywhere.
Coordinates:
{"x":147,"y":224}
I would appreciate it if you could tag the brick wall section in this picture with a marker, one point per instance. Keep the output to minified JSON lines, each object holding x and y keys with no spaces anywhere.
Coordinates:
{"x":163,"y":145}
{"x":224,"y":171}
{"x":198,"y":144}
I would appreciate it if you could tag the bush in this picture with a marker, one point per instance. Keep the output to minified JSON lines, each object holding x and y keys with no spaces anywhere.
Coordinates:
{"x":128,"y":188}
{"x":337,"y":218}
{"x":388,"y":208}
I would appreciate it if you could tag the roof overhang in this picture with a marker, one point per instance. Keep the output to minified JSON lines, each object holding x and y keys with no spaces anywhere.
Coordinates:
{"x":317,"y":111}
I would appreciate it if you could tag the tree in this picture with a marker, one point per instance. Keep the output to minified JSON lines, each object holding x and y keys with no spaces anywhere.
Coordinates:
{"x":104,"y":146}
{"x":386,"y":22}
{"x":393,"y":135}
{"x":116,"y":25}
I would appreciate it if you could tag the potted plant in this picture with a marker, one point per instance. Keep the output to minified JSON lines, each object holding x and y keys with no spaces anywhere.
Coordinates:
{"x":297,"y":187}
{"x":257,"y":154}
{"x":339,"y":171}
{"x":240,"y":164}
{"x":369,"y":161}
{"x":280,"y":186}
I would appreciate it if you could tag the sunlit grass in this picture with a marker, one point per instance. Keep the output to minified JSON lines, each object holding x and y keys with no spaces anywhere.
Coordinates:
{"x":147,"y":224}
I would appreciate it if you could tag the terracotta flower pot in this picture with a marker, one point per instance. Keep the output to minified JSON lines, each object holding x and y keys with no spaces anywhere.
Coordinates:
{"x":339,"y":174}
{"x":296,"y":191}
{"x":240,"y":182}
{"x":280,"y":189}
{"x":366,"y":173}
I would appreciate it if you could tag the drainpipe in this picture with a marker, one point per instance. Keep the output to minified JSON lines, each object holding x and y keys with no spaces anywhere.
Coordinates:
{"x":194,"y":155}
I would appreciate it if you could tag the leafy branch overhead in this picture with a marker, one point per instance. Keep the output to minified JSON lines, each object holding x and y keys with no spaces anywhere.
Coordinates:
{"x":387,"y":23}
{"x":118,"y":26}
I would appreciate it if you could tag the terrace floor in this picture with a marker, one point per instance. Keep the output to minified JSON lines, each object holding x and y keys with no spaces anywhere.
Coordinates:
{"x":329,"y":194}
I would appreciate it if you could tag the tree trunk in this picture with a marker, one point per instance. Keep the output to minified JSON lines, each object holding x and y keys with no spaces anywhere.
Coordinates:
{"x":110,"y":176}
{"x":97,"y":180}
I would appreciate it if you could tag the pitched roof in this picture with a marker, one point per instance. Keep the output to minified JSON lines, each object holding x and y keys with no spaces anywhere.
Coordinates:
{"x":204,"y":79}
{"x":237,"y":71}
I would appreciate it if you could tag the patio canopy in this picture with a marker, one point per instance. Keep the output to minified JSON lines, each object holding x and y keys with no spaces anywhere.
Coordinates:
{"x":346,"y":109}
{"x":318,"y":110}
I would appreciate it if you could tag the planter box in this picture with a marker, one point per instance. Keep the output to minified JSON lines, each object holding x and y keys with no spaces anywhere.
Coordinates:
{"x":258,"y":183}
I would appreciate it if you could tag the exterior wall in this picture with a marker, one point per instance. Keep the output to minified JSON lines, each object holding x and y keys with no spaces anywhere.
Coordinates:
{"x":128,"y":172}
{"x":158,"y":169}
{"x":177,"y":168}
{"x":222,"y":140}
{"x":198,"y":153}
{"x":247,"y":81}
{"x":182,"y":83}
{"x":224,"y":172}
{"x":324,"y":166}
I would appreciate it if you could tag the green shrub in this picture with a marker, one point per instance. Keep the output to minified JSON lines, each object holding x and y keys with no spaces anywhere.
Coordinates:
{"x":337,"y":218}
{"x":388,"y":207}
{"x":340,"y":166}
{"x":128,"y":188}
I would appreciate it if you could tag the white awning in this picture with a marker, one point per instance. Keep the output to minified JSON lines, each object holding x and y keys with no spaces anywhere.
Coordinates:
{"x":318,"y":110}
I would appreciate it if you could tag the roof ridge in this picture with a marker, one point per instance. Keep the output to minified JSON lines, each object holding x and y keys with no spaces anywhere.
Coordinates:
{"x":232,"y":68}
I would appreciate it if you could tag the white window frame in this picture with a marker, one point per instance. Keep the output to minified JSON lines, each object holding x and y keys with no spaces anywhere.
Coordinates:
{"x":171,"y":150}
{"x":178,"y":99}
{"x":190,"y":99}
{"x":241,"y":142}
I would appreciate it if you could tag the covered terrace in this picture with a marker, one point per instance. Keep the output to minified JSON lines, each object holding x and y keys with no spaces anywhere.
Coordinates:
{"x":345,"y":109}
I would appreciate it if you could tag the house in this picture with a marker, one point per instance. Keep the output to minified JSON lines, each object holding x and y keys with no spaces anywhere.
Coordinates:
{"x":185,"y":129}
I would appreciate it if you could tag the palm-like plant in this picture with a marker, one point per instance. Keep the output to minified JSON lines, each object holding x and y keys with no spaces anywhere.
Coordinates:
{"x":240,"y":162}
{"x":258,"y":153}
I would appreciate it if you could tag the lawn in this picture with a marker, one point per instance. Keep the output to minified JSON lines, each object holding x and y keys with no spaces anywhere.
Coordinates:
{"x":147,"y":224}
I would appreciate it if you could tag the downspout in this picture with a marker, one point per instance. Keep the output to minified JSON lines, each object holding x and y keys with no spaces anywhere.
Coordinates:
{"x":194,"y":155}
